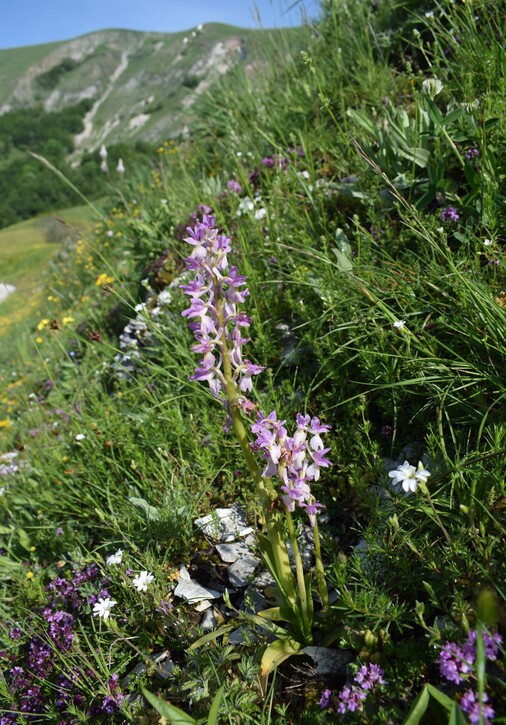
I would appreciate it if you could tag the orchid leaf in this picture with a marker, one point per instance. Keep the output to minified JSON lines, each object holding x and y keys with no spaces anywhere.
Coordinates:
{"x":276,"y":653}
{"x":173,"y":714}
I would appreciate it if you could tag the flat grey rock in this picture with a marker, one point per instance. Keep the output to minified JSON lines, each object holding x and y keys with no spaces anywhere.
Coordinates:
{"x":223,"y":525}
{"x":191,"y":590}
{"x":231,"y":552}
{"x":240,"y":572}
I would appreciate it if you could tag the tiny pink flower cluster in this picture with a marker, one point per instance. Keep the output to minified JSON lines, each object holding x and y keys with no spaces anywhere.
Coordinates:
{"x":295,"y":460}
{"x":214,"y":295}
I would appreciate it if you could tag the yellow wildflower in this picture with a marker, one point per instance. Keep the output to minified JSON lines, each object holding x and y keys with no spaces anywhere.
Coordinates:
{"x":5,"y":423}
{"x":42,"y":324}
{"x":103,"y":279}
{"x":67,"y":320}
{"x":29,"y":574}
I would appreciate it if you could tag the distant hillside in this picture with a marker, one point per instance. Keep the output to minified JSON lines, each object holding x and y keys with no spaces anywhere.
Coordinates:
{"x":143,"y":86}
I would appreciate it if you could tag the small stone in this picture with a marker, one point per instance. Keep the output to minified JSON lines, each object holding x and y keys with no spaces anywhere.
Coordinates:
{"x":239,"y":573}
{"x":209,"y":621}
{"x":202,"y":606}
{"x":223,"y":524}
{"x":254,"y":601}
{"x":231,"y":552}
{"x":328,"y":661}
{"x":243,"y":635}
{"x":263,"y":580}
{"x":191,"y":590}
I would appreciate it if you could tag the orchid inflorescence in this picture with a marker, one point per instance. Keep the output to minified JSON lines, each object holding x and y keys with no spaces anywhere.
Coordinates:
{"x":217,"y":325}
{"x":296,"y":462}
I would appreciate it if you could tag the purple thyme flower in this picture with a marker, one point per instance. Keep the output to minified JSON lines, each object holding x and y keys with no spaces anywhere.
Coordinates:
{"x":234,"y":186}
{"x":470,"y":704}
{"x":492,"y":643}
{"x":456,"y":661}
{"x":351,"y":699}
{"x":472,"y":153}
{"x":450,"y":214}
{"x":15,"y":633}
{"x":324,"y":700}
{"x":370,"y":676}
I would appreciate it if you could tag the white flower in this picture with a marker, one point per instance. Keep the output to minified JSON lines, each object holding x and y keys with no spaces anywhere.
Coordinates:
{"x":488,"y":242}
{"x":409,"y":476}
{"x":432,"y":87}
{"x":115,"y":558}
{"x":142,"y":580}
{"x":399,"y":324}
{"x":80,"y":437}
{"x":260,"y":213}
{"x":120,"y":168}
{"x":2,"y":490}
{"x":103,"y":607}
{"x":422,"y":474}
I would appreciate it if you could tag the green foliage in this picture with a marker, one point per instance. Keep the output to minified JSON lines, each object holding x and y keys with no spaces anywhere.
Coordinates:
{"x":50,"y":78}
{"x":368,"y":309}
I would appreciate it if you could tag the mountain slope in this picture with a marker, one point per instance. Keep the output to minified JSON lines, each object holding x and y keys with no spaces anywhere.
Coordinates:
{"x":143,"y":85}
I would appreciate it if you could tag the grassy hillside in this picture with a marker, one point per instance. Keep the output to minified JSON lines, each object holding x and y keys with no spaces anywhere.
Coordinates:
{"x":25,"y":250}
{"x":297,"y":312}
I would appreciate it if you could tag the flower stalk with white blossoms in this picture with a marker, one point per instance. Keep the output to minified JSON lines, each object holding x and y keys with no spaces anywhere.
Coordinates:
{"x":217,"y":325}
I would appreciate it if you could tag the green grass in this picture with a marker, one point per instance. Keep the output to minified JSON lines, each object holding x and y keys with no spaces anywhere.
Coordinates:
{"x":373,"y":307}
{"x":25,"y":251}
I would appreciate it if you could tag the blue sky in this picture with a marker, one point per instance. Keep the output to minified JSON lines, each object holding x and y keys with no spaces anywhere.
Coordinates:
{"x":30,"y":22}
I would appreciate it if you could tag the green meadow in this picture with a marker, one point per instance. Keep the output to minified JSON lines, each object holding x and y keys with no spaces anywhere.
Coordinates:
{"x":25,"y":251}
{"x":252,"y":421}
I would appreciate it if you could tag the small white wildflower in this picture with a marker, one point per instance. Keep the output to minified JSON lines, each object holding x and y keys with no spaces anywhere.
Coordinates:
{"x":80,"y":437}
{"x":115,"y":558}
{"x":103,"y":152}
{"x":142,"y":580}
{"x":409,"y":476}
{"x":185,"y":41}
{"x":440,"y":230}
{"x":110,"y":233}
{"x":261,"y":213}
{"x":140,"y":307}
{"x":2,"y":490}
{"x":103,"y":607}
{"x":432,"y":87}
{"x":120,"y":168}
{"x":488,"y":242}
{"x":399,"y":324}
